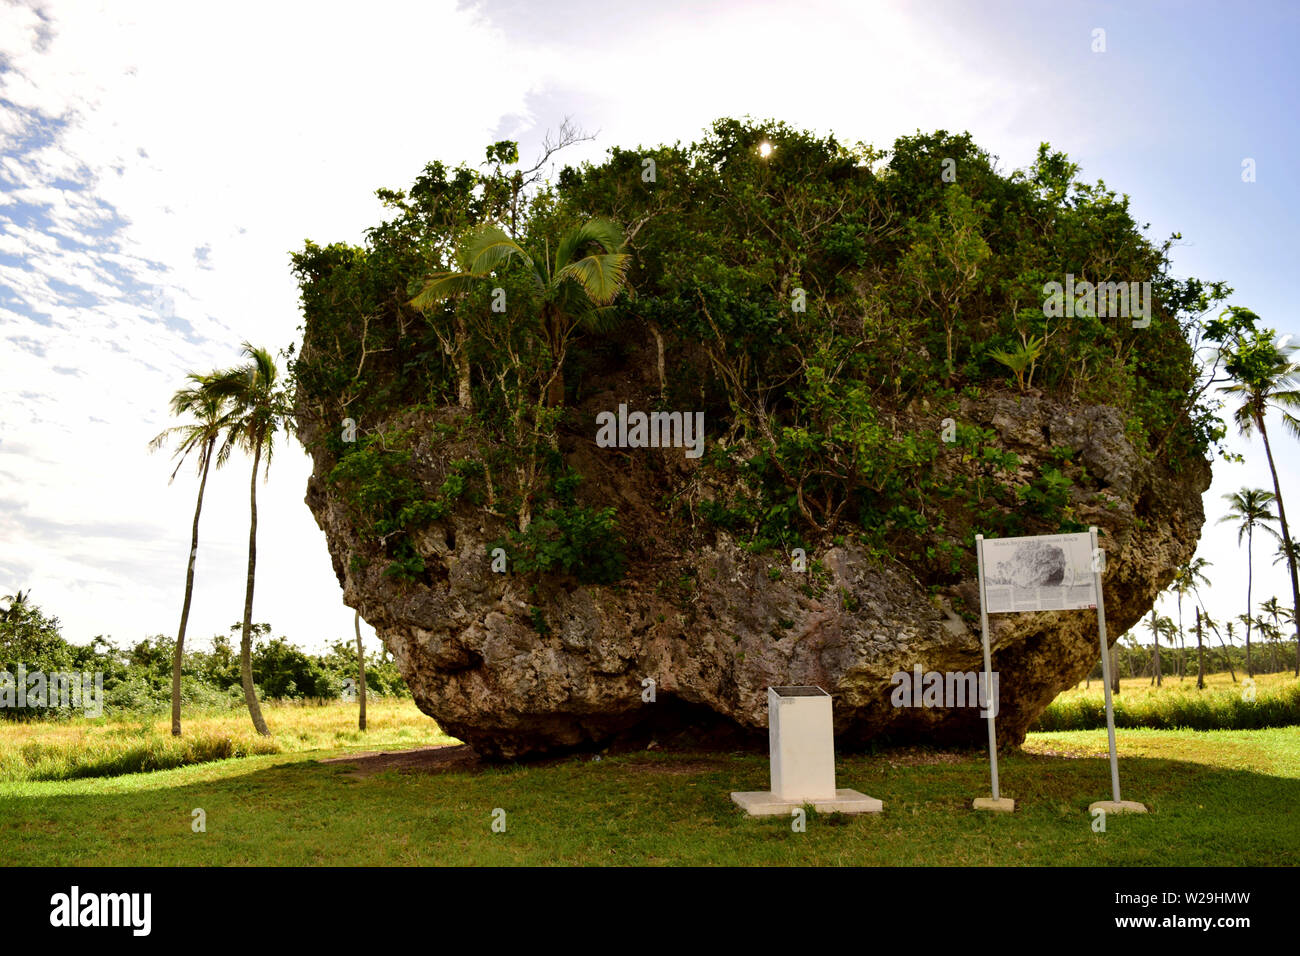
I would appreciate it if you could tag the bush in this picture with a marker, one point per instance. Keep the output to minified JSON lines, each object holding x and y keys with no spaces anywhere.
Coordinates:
{"x":572,"y":539}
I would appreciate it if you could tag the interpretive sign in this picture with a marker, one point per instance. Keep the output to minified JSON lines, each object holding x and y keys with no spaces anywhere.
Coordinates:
{"x":1042,"y":573}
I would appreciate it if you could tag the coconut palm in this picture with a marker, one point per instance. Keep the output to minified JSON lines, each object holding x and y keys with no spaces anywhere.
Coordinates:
{"x":569,"y":288}
{"x":1159,"y":626}
{"x":1213,"y":626}
{"x":1285,"y":553}
{"x":17,"y":605}
{"x":197,"y":437}
{"x":1266,"y":379}
{"x":1185,"y":581}
{"x":1200,"y":654}
{"x":1249,"y":507}
{"x":1271,"y":616}
{"x":259,"y":411}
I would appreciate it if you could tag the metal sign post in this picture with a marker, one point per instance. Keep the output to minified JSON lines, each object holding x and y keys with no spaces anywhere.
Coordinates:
{"x":1053,"y":572}
{"x":984,"y":803}
{"x":1115,"y":804}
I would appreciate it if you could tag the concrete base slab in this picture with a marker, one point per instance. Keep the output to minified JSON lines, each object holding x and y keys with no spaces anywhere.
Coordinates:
{"x":1001,"y":805}
{"x":763,"y":803}
{"x":1124,"y":806}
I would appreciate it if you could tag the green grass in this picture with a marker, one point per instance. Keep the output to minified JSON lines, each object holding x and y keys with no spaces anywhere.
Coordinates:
{"x":1221,"y":705}
{"x":110,"y":746}
{"x":1217,"y":798}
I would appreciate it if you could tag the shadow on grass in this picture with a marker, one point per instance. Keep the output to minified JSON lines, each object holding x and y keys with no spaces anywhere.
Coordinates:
{"x":664,"y":808}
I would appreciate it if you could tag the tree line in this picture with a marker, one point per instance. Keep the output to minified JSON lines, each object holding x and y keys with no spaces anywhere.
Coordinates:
{"x":140,"y":676}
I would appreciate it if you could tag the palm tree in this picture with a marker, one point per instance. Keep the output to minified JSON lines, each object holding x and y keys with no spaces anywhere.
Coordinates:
{"x":1185,"y":581}
{"x":17,"y":604}
{"x":1269,"y":619}
{"x":1249,"y":508}
{"x":1275,"y":612}
{"x":1285,"y":553}
{"x":199,"y":437}
{"x":1200,"y":654}
{"x":569,"y":289}
{"x":1159,"y":626}
{"x":259,"y":411}
{"x":1210,"y":623}
{"x":1266,"y":378}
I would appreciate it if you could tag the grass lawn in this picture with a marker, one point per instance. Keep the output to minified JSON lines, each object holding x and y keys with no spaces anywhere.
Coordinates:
{"x":1223,"y":798}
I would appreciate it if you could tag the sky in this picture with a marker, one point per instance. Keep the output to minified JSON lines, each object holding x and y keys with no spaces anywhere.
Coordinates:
{"x":159,"y":162}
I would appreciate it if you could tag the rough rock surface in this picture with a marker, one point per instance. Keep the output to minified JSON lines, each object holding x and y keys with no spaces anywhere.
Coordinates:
{"x":714,"y":625}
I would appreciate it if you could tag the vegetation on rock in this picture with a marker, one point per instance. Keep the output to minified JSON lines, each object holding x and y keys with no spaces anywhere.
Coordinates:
{"x":828,"y":306}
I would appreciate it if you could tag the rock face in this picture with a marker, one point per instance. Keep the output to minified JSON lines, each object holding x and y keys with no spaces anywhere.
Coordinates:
{"x":713,"y":626}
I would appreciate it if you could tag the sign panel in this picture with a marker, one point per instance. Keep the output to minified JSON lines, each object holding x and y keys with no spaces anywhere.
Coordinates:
{"x":1050,"y":572}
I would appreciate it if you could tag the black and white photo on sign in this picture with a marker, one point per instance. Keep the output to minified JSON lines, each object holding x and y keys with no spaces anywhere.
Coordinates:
{"x":1039,"y":573}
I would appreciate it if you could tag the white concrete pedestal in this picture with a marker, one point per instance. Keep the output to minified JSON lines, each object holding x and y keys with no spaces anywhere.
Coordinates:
{"x":1001,"y":805}
{"x":802,"y":745}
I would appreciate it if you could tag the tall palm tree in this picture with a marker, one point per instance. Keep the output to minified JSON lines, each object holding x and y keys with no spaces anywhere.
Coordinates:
{"x":1271,"y":614}
{"x":1159,"y":626}
{"x":1275,"y":612}
{"x":1249,"y":507}
{"x":1213,"y":626}
{"x":198,"y":437}
{"x":1185,"y":581}
{"x":1265,"y":378}
{"x":569,"y":288}
{"x":259,"y":411}
{"x":1200,"y":654}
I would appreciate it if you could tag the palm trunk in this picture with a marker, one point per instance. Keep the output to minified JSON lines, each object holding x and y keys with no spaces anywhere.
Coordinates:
{"x":1156,"y":677}
{"x":554,"y":336}
{"x":1182,"y":647}
{"x":1286,"y":541}
{"x":1200,"y":654}
{"x":246,"y":639}
{"x":1114,"y":669}
{"x":361,"y":666}
{"x":1200,"y":605}
{"x":659,"y":351}
{"x":1250,"y":555}
{"x":189,"y":594}
{"x":1227,"y":656}
{"x":464,"y":396}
